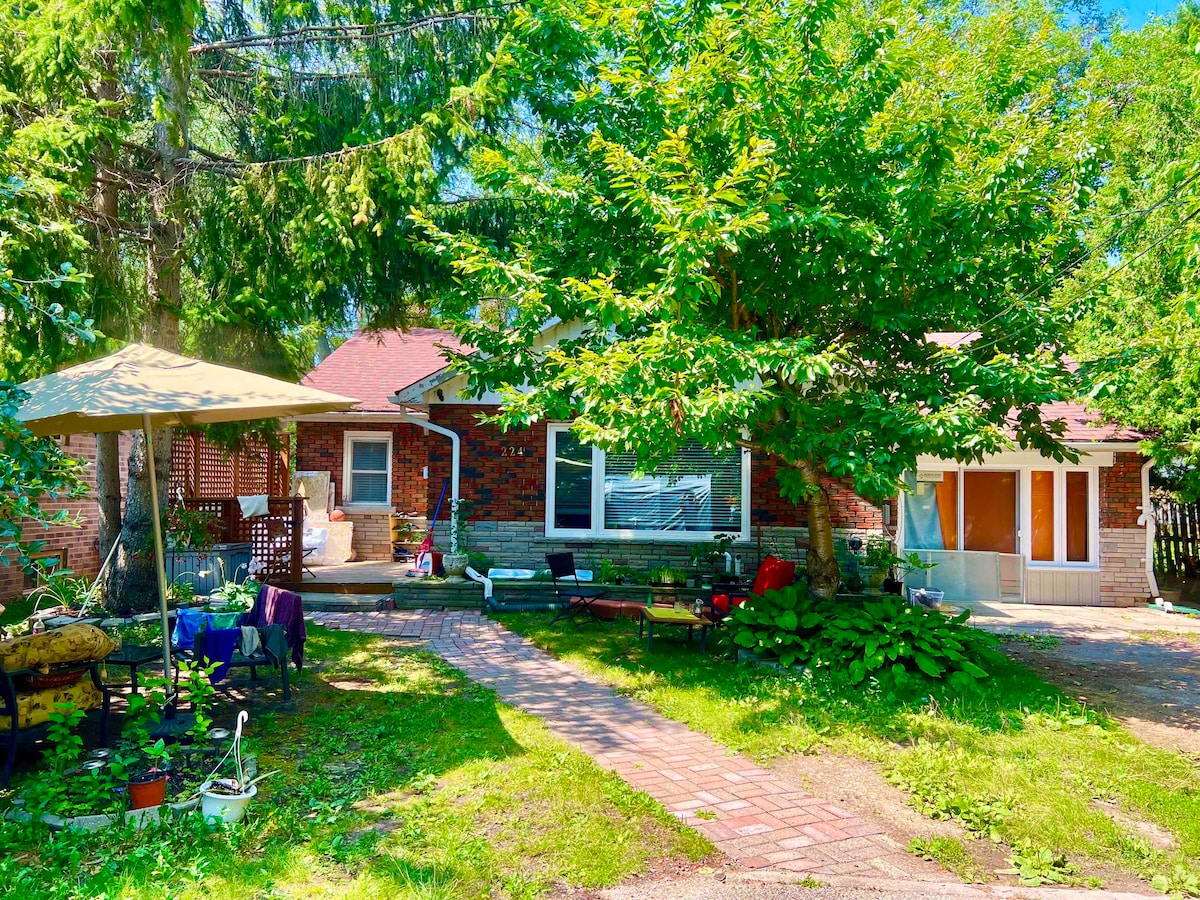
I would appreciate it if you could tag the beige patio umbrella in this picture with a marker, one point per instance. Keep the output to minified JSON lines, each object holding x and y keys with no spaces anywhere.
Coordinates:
{"x":147,"y":388}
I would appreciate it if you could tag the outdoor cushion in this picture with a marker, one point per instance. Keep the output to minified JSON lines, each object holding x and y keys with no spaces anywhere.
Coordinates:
{"x":773,"y":575}
{"x":35,"y":707}
{"x":69,"y":644}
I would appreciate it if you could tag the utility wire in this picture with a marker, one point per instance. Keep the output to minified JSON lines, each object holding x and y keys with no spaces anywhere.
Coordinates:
{"x":1090,"y":251}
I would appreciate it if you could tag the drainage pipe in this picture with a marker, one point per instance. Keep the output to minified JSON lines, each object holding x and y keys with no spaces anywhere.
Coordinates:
{"x":495,"y":605}
{"x":1147,"y":519}
{"x":455,"y":454}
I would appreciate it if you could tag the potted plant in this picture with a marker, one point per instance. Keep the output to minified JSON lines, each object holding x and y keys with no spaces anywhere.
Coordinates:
{"x":876,"y":562}
{"x":194,"y":555}
{"x":149,"y":788}
{"x":455,"y":563}
{"x":226,"y":799}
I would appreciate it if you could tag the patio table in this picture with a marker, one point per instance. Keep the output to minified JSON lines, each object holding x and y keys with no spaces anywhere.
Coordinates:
{"x":134,"y":656}
{"x":655,"y":615}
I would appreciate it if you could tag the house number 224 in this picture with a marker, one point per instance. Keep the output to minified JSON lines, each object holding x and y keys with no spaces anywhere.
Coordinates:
{"x":514,"y":451}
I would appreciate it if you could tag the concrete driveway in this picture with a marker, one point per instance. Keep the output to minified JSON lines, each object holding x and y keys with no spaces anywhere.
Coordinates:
{"x":1141,"y":664}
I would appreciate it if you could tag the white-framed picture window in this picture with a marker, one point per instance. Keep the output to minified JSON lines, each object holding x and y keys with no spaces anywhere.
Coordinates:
{"x":697,"y":494}
{"x":1045,"y":512}
{"x":367,"y":472}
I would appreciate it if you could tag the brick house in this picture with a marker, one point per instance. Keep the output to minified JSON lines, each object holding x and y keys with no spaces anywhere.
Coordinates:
{"x":1019,"y":527}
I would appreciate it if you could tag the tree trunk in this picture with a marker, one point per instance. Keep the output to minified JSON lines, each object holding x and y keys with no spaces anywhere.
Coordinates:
{"x":132,"y":578}
{"x":106,"y":276}
{"x":132,"y":583}
{"x":108,"y":489}
{"x":824,"y":575}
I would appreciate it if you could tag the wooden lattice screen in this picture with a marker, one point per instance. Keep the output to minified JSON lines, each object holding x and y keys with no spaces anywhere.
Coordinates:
{"x":1177,"y":537}
{"x":276,"y":539}
{"x":200,"y":470}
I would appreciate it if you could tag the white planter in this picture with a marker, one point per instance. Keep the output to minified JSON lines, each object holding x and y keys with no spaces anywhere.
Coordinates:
{"x":455,"y":565}
{"x":227,"y":808}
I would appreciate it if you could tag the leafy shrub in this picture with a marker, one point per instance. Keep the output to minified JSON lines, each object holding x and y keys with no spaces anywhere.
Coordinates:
{"x":885,"y":638}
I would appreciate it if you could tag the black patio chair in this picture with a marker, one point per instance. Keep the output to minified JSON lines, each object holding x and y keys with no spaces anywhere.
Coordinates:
{"x":575,"y":599}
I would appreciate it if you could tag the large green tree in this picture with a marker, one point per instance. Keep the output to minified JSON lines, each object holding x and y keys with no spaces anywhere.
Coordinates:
{"x":760,"y":211}
{"x":1140,"y":295}
{"x":31,"y":290}
{"x":239,"y":170}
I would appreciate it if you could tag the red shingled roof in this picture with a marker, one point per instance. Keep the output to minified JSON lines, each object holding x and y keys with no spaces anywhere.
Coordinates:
{"x":1082,"y":424}
{"x":372,"y":366}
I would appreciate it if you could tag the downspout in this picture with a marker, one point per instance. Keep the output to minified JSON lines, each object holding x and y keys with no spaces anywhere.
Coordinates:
{"x":1147,"y":519}
{"x":455,"y":445}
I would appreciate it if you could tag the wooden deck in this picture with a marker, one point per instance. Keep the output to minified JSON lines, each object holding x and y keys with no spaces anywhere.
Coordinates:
{"x":367,"y":577}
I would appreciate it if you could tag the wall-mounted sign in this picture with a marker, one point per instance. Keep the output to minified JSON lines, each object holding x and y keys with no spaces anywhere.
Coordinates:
{"x":931,"y":477}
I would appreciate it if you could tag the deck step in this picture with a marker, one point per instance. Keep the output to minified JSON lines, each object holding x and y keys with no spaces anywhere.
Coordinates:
{"x":325,"y":601}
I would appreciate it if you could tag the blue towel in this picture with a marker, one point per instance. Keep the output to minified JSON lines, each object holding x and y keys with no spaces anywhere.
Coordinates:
{"x":217,"y":646}
{"x":187,"y":623}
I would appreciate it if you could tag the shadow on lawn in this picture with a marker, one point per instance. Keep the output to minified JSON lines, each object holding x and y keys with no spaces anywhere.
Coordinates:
{"x":825,"y":702}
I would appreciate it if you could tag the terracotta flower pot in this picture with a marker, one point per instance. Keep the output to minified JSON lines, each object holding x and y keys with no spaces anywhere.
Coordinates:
{"x":147,"y":789}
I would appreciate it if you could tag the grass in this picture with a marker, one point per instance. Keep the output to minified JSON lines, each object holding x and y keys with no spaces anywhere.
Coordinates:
{"x":400,"y":779}
{"x":951,"y":854}
{"x":1018,"y":761}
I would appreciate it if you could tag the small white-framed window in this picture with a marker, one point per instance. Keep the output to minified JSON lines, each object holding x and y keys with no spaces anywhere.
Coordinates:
{"x":697,"y":494}
{"x":367,"y":469}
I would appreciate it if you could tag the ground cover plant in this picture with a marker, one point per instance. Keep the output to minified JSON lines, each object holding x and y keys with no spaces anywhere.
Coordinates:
{"x":1011,"y":760}
{"x":400,"y":779}
{"x":886,"y":639}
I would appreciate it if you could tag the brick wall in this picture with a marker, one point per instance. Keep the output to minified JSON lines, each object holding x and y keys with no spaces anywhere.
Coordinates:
{"x":320,"y":447}
{"x":80,"y":543}
{"x":769,"y":507}
{"x":1123,"y":580}
{"x":502,"y":473}
{"x":1121,"y":491}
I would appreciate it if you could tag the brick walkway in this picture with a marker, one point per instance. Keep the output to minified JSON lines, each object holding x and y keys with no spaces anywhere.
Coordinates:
{"x":752,"y":816}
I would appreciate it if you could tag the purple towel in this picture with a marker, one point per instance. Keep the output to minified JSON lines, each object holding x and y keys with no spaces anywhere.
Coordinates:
{"x":279,"y":607}
{"x":216,"y":645}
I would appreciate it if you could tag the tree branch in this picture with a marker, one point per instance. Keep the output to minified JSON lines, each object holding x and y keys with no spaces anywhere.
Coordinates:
{"x":325,"y":33}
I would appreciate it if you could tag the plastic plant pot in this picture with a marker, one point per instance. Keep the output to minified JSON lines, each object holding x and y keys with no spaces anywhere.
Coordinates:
{"x":147,"y":789}
{"x":218,"y":806}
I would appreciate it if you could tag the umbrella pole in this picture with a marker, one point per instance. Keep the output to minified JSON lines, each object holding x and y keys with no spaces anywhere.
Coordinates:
{"x":160,"y":564}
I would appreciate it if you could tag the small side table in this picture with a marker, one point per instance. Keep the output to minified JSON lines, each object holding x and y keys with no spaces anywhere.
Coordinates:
{"x":134,"y":656}
{"x":654,"y":615}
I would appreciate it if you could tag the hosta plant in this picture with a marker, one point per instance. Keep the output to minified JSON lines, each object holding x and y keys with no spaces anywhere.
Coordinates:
{"x":885,"y":639}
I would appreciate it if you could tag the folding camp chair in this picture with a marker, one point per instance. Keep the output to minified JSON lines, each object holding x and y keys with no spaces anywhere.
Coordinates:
{"x":574,"y":598}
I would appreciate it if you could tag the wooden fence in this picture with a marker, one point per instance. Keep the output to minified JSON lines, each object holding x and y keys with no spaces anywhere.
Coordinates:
{"x":202,"y":469}
{"x":1177,"y":538}
{"x":276,"y":539}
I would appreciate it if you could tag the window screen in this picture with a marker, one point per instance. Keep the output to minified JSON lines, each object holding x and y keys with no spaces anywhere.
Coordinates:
{"x":369,"y":472}
{"x":572,"y":482}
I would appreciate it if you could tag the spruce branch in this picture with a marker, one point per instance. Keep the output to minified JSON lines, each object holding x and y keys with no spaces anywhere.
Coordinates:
{"x":310,"y":34}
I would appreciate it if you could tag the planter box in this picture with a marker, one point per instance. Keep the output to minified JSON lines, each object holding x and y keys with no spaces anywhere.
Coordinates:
{"x":203,"y":568}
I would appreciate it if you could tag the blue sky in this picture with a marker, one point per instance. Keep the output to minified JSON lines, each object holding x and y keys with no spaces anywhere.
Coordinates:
{"x":1137,"y":11}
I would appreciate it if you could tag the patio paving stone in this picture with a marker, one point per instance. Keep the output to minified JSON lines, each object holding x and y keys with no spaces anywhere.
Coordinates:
{"x":757,"y":819}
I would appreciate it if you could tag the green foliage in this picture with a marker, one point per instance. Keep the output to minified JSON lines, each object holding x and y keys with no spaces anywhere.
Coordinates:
{"x":1181,"y":882}
{"x":1037,"y":867}
{"x":190,"y":529}
{"x":239,"y":595}
{"x":935,"y":180}
{"x":1138,"y":332}
{"x":922,"y":775}
{"x":951,"y":855}
{"x":885,"y":639}
{"x":669,"y":575}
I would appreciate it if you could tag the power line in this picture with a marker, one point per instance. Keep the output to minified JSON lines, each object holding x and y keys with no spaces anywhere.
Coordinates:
{"x":1090,"y":251}
{"x":1106,"y":275}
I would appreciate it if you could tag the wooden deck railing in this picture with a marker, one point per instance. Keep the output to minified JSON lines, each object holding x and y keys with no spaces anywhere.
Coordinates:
{"x":276,"y":539}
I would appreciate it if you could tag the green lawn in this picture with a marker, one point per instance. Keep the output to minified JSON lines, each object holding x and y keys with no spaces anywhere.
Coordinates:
{"x":401,"y":779}
{"x":1019,"y":761}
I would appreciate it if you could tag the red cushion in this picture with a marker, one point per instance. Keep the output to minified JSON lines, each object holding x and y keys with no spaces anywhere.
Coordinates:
{"x":773,"y":575}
